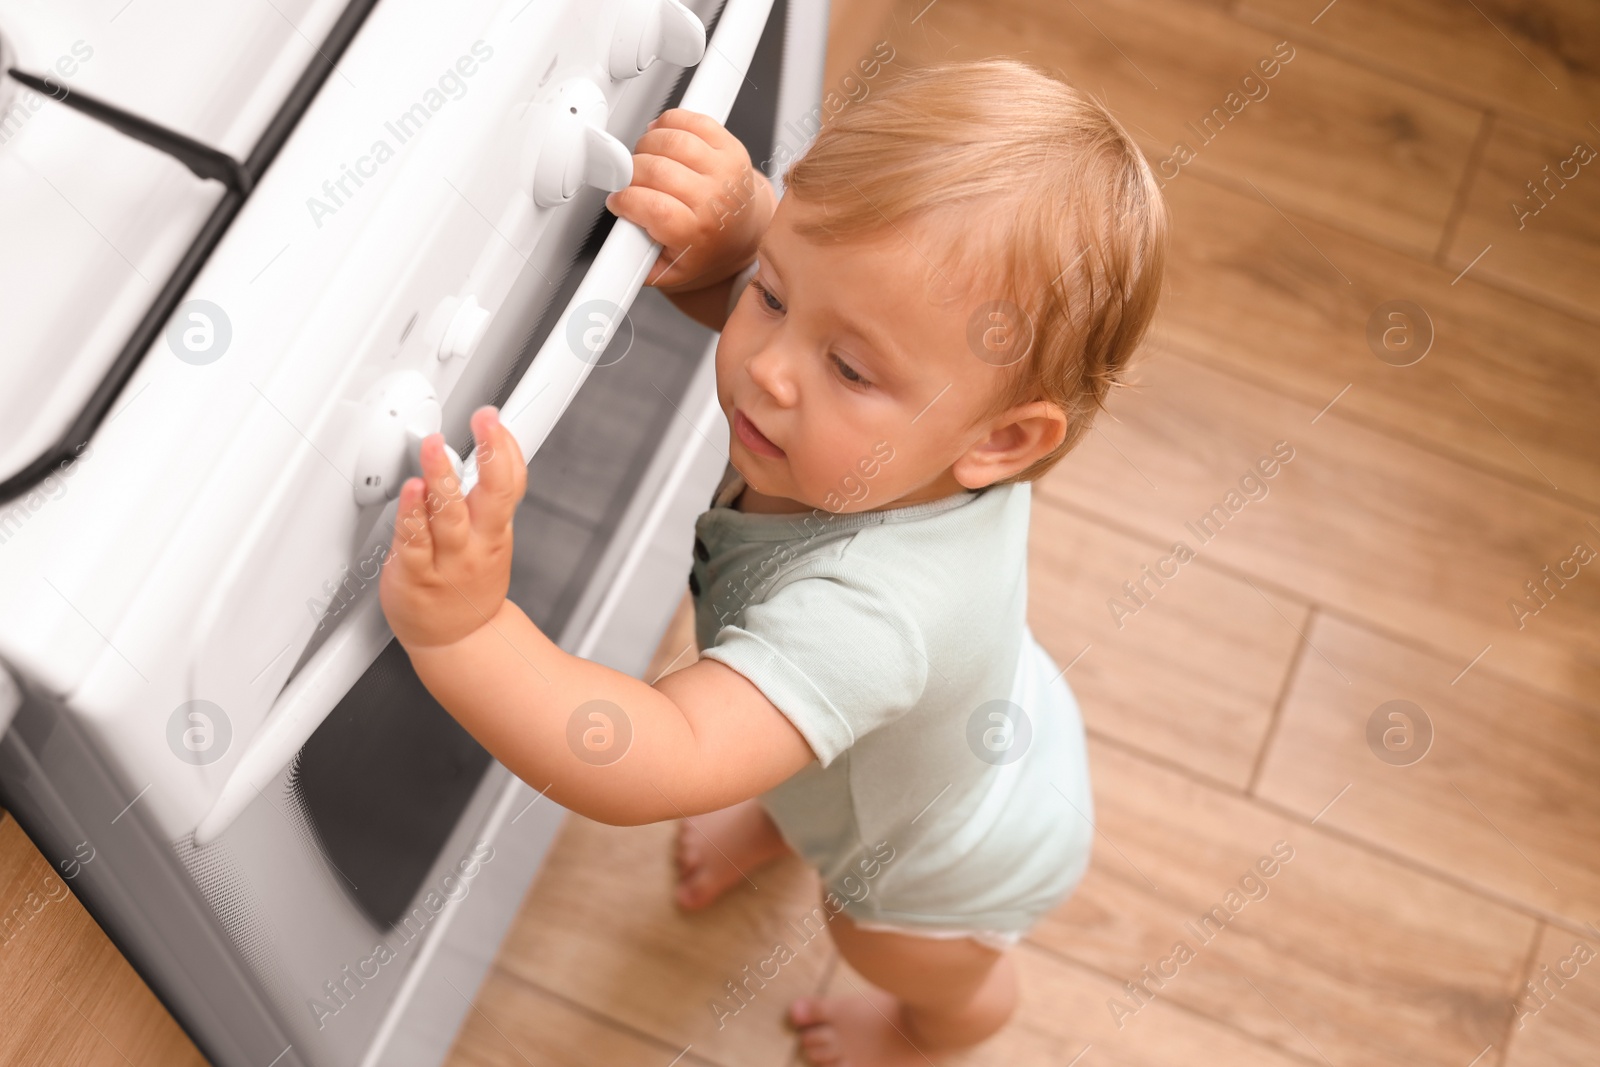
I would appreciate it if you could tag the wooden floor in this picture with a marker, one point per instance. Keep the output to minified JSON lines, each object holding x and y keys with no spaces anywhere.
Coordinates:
{"x":1232,"y":711}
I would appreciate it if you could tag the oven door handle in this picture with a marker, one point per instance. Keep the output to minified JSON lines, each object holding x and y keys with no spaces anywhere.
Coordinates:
{"x":530,"y":413}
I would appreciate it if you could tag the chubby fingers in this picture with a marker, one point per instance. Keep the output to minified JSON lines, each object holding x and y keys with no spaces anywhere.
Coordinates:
{"x":448,"y":521}
{"x":707,"y":129}
{"x":412,"y":547}
{"x":672,"y":172}
{"x":502,"y":474}
{"x":684,"y":156}
{"x":681,"y":146}
{"x":669,"y":176}
{"x":669,"y":221}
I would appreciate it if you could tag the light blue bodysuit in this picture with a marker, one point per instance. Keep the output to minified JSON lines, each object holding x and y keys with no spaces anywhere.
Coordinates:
{"x":897,"y":643}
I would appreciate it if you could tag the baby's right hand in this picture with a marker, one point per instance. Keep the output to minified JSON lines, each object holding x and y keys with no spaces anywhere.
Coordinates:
{"x":695,"y":191}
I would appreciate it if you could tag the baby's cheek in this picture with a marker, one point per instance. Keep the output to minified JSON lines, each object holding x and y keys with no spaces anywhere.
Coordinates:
{"x":852,"y":488}
{"x":825,"y":476}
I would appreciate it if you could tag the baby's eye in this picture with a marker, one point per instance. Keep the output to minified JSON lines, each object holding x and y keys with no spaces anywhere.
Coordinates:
{"x":847,"y":372}
{"x":772,"y":302}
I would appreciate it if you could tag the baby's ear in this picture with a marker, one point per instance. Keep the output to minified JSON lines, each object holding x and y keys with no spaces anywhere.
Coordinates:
{"x":1017,"y":439}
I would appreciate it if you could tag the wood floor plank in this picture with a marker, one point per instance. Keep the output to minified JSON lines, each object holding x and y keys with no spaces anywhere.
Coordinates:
{"x":600,"y":929}
{"x":1375,"y":528}
{"x":1336,"y":955}
{"x":1323,"y":137}
{"x":1543,"y":240}
{"x":1190,"y":675}
{"x":67,"y":996}
{"x":1558,"y":1020}
{"x":515,"y":1024}
{"x":1507,"y":787}
{"x":1247,"y":291}
{"x":1534,"y":57}
{"x":1062,"y":1012}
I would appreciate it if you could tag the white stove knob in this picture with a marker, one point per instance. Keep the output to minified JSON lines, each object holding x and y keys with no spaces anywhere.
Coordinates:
{"x":648,"y":30}
{"x":459,"y":323}
{"x":568,"y":146}
{"x":400,"y":411}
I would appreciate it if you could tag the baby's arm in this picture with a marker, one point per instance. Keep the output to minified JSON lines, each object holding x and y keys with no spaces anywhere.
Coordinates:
{"x":695,"y":191}
{"x":701,"y":739}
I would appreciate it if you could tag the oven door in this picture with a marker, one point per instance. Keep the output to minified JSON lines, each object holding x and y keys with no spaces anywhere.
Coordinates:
{"x":347,"y":913}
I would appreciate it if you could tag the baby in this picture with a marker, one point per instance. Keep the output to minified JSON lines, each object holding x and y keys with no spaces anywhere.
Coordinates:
{"x":927,"y":321}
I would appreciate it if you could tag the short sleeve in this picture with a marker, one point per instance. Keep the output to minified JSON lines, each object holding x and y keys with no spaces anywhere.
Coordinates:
{"x":837,"y":657}
{"x":740,"y":281}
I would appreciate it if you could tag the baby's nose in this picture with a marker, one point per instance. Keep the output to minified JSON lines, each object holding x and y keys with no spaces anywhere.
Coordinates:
{"x":770,"y":370}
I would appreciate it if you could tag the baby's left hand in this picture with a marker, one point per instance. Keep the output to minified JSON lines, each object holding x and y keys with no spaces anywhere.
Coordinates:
{"x":696,"y":192}
{"x":449,"y":567}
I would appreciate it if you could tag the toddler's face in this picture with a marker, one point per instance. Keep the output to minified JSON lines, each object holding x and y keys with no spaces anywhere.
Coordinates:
{"x":845,"y":374}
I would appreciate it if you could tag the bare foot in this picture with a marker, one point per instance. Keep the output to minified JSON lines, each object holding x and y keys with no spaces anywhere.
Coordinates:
{"x":865,"y":1030}
{"x":718,"y":849}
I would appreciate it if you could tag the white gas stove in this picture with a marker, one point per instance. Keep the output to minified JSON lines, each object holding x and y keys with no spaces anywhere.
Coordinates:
{"x":234,"y":298}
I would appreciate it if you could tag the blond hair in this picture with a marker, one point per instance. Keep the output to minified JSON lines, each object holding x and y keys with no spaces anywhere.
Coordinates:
{"x":1049,"y":205}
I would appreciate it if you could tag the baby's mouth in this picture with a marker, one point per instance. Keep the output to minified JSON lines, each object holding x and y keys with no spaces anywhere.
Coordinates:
{"x":753,"y":438}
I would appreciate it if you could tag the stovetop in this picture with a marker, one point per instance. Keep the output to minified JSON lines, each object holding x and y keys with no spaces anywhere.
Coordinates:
{"x":115,"y":184}
{"x":214,"y":72}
